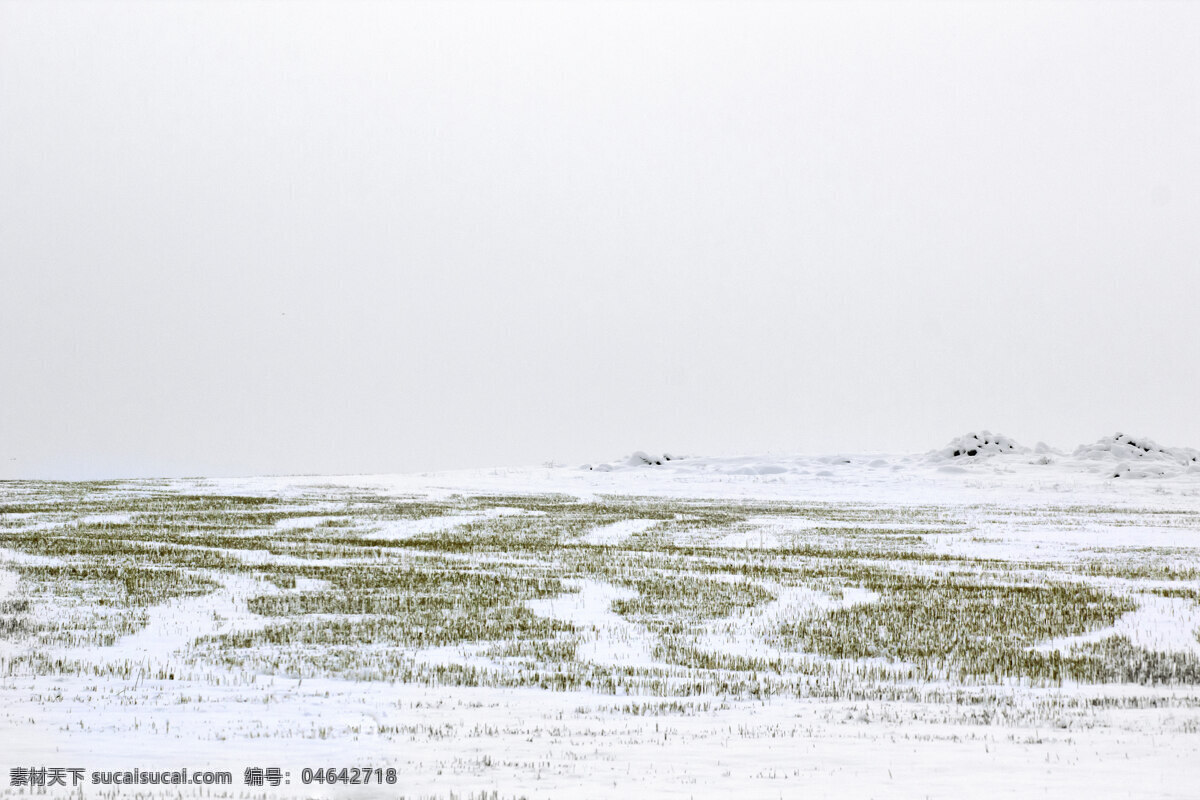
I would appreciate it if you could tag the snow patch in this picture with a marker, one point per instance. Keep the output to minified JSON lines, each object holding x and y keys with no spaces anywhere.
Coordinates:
{"x":617,"y":532}
{"x":1158,"y":624}
{"x":608,"y":638}
{"x":113,"y":518}
{"x":299,"y":523}
{"x":748,"y":632}
{"x":11,"y":556}
{"x":8,"y":583}
{"x":176,"y":625}
{"x":425,"y":525}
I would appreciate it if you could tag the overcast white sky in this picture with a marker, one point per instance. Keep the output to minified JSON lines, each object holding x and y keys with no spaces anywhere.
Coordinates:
{"x":340,"y":237}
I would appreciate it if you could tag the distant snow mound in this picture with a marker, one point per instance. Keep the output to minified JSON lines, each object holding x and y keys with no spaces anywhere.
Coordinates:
{"x":1140,"y":457}
{"x":1126,"y":448}
{"x":638,"y":458}
{"x":984,"y":443}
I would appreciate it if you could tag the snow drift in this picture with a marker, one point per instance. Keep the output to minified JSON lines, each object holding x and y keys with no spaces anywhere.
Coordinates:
{"x":982,"y":452}
{"x":1139,"y":457}
{"x":638,"y":458}
{"x":985,"y":443}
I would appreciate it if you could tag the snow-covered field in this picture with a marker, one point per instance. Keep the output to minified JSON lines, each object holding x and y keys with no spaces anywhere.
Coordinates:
{"x":1014,"y":622}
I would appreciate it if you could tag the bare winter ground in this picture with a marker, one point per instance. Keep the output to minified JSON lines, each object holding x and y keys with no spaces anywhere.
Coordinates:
{"x":838,"y":627}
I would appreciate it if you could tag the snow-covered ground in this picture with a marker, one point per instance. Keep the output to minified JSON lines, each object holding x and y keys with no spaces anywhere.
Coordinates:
{"x":1088,"y":475}
{"x":162,"y":697}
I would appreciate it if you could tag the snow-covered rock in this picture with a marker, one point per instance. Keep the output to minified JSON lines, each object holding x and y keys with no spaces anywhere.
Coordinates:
{"x":638,"y":458}
{"x":984,"y":443}
{"x":1140,"y":457}
{"x":1128,"y":448}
